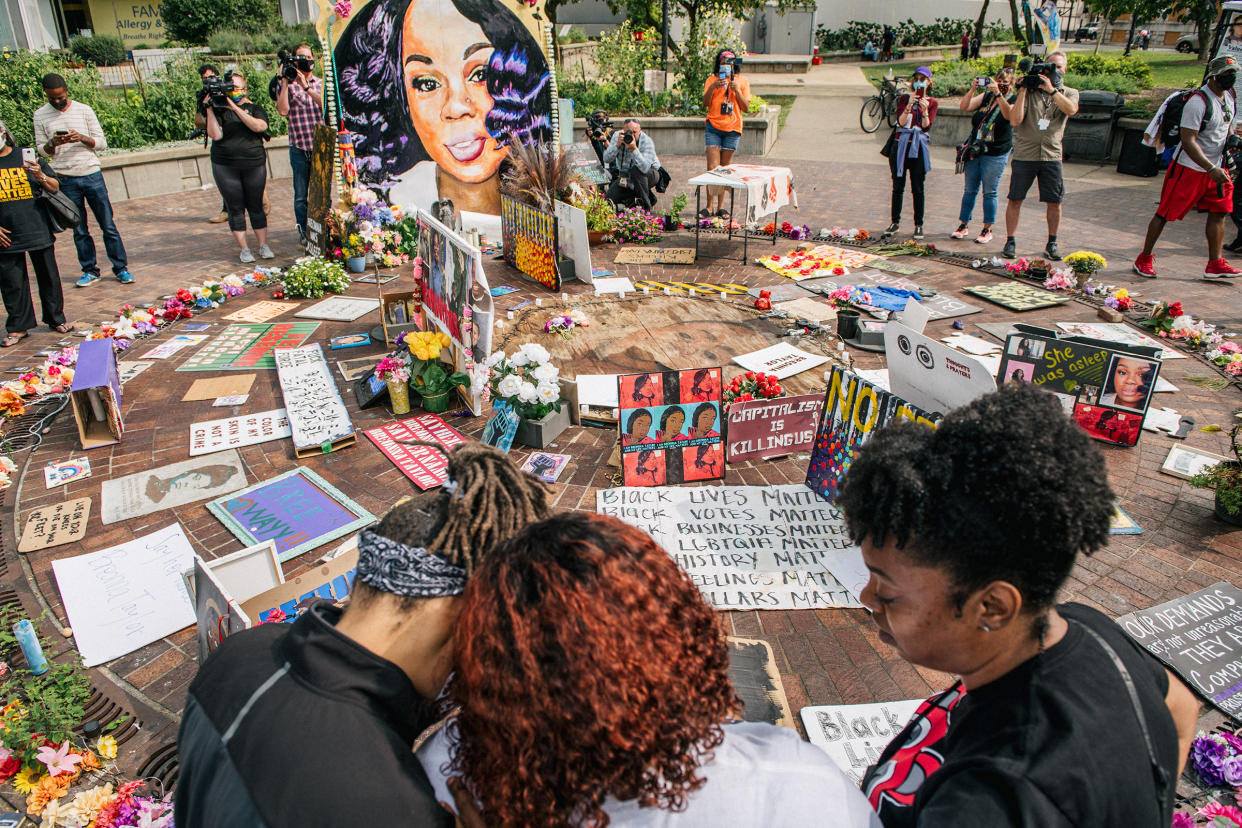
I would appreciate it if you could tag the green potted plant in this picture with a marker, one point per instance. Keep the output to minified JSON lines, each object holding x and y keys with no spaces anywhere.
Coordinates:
{"x":672,"y":215}
{"x":429,"y":376}
{"x":1226,"y":479}
{"x":600,"y":215}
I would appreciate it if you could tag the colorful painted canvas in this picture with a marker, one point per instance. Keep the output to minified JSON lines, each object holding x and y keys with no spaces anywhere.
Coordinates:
{"x":815,"y":263}
{"x":670,"y":427}
{"x":248,"y":346}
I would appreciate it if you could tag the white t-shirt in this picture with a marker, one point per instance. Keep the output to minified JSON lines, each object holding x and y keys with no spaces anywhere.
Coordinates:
{"x":1215,"y":130}
{"x":760,"y":775}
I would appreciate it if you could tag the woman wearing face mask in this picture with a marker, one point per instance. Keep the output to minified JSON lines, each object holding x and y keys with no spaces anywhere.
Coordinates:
{"x":726,"y":97}
{"x":990,"y":104}
{"x":909,"y":150}
{"x":239,"y":164}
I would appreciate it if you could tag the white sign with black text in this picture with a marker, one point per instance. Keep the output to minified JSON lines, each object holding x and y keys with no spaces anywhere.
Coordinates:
{"x":317,"y":414}
{"x":234,"y":432}
{"x":854,"y":735}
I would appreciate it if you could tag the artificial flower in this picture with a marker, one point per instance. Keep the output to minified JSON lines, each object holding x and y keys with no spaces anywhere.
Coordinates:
{"x":106,"y":747}
{"x":58,"y":760}
{"x":1215,"y":809}
{"x":10,"y":766}
{"x":509,"y":386}
{"x":11,"y":404}
{"x":527,"y":393}
{"x":548,"y":392}
{"x":534,"y":352}
{"x":87,"y":804}
{"x":48,"y":789}
{"x":546,"y":372}
{"x":27,"y":779}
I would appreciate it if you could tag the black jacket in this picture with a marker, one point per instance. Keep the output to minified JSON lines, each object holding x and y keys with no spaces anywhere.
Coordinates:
{"x":297,"y":725}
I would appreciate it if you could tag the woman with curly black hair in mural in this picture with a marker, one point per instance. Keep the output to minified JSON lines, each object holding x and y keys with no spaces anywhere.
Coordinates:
{"x":435,"y":89}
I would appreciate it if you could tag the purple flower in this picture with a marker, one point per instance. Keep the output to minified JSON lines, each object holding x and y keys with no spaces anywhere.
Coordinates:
{"x":1231,"y":768}
{"x":1181,"y":820}
{"x":1208,"y":755}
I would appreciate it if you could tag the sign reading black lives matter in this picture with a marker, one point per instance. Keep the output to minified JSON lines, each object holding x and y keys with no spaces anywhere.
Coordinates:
{"x":1200,"y":637}
{"x":748,"y":547}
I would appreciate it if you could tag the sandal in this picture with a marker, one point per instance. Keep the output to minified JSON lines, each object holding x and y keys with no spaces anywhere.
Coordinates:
{"x":12,"y":339}
{"x":64,"y":328}
{"x":724,"y":214}
{"x":705,"y":213}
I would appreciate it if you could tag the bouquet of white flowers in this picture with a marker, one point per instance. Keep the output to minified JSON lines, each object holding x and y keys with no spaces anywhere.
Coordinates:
{"x":527,"y":381}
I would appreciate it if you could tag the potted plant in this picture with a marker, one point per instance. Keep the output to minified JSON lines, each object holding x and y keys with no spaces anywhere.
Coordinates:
{"x":430,"y":378}
{"x":635,"y":224}
{"x":847,"y":316}
{"x":1226,"y":479}
{"x":1085,"y":264}
{"x":396,"y":375}
{"x":531,"y":385}
{"x":311,"y":277}
{"x":600,"y":215}
{"x":672,"y":215}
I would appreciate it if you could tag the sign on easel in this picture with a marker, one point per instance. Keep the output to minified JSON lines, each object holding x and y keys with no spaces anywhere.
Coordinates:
{"x":317,"y":415}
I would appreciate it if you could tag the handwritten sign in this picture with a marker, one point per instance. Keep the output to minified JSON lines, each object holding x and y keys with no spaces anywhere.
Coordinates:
{"x":772,"y":428}
{"x":782,"y":360}
{"x":261,"y":311}
{"x":748,"y":547}
{"x":670,"y":427}
{"x":339,"y":309}
{"x":582,"y":158}
{"x":316,"y":412}
{"x":167,"y":487}
{"x":233,"y":432}
{"x":655,"y":255}
{"x":425,"y":466}
{"x":854,"y":735}
{"x":126,"y":596}
{"x":1200,"y":637}
{"x":55,"y":525}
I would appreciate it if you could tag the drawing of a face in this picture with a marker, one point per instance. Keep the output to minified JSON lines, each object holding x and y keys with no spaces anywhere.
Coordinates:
{"x":445,"y":69}
{"x":639,"y":425}
{"x":704,"y":419}
{"x":674,"y":419}
{"x":1130,"y":381}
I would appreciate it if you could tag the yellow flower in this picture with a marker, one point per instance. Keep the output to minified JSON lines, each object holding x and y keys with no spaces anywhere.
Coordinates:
{"x":424,"y":345}
{"x":87,"y":805}
{"x":27,"y":779}
{"x":106,"y":747}
{"x":1121,"y":293}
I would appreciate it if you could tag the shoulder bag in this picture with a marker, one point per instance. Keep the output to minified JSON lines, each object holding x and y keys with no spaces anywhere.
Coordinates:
{"x":976,"y":144}
{"x":61,"y":213}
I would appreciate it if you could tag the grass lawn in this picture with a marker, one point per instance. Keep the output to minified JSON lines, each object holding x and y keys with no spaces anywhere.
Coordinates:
{"x":785,"y":102}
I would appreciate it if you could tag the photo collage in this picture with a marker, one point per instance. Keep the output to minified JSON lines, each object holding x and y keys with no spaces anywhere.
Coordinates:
{"x":670,"y":427}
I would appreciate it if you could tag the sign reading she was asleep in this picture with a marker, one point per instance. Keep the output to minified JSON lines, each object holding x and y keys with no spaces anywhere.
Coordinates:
{"x":772,"y":428}
{"x":748,"y":547}
{"x":1200,"y":637}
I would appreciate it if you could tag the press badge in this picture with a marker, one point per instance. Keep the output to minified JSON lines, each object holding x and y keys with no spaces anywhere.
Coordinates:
{"x":1043,"y":124}
{"x":624,"y":181}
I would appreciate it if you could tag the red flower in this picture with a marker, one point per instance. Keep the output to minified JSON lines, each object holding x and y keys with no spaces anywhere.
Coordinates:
{"x":184,"y":295}
{"x":9,"y":767}
{"x":746,"y":397}
{"x":1175,"y":310}
{"x":750,"y":375}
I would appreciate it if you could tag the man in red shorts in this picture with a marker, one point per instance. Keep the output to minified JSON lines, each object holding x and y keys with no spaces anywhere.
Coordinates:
{"x":1195,"y":179}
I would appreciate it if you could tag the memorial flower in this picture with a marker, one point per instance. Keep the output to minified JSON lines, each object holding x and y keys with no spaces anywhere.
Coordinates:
{"x":1085,"y":263}
{"x":27,"y":779}
{"x":392,"y":369}
{"x":527,"y":381}
{"x":1060,"y":280}
{"x":106,"y":747}
{"x":58,"y":760}
{"x":426,"y":345}
{"x":752,"y":386}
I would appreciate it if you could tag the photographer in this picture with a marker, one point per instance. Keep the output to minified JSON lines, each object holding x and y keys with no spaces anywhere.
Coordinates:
{"x":726,"y":97}
{"x":638,"y":168}
{"x":300,"y":99}
{"x":1038,"y":118}
{"x":909,"y":149}
{"x":991,"y":140}
{"x":235,"y":125}
{"x":1196,"y":178}
{"x":210,"y":74}
{"x":599,"y":131}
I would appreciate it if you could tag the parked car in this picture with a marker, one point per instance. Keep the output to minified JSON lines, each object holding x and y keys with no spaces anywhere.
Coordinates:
{"x":1088,"y":32}
{"x":1188,"y":43}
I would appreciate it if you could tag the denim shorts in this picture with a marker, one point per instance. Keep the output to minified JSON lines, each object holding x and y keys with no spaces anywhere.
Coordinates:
{"x":724,"y":140}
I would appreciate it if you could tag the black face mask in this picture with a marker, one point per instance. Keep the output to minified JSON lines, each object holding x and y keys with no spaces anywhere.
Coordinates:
{"x":61,"y":105}
{"x":1226,"y":80}
{"x":304,"y":63}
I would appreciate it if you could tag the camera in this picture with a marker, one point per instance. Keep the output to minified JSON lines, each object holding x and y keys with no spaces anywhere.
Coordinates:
{"x":598,"y":125}
{"x":627,"y":138}
{"x":216,"y":90}
{"x":1035,"y":70}
{"x":982,"y":83}
{"x":288,"y":67}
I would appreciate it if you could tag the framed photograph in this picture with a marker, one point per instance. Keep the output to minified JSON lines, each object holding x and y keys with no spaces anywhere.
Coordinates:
{"x":1185,"y":462}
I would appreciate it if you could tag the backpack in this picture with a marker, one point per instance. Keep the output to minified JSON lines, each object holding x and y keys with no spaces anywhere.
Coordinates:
{"x":1170,"y":126}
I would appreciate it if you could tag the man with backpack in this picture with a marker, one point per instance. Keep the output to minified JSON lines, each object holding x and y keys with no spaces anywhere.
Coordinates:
{"x":1201,"y":120}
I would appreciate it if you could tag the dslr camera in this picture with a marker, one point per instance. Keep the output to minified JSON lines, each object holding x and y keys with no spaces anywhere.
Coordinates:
{"x":598,"y":125}
{"x":1033,"y":72}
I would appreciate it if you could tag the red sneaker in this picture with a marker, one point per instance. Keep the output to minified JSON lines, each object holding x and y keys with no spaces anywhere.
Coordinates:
{"x":1145,"y":265}
{"x":1219,"y":268}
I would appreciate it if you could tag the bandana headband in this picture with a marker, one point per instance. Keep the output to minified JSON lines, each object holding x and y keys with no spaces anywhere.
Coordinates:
{"x":393,"y":567}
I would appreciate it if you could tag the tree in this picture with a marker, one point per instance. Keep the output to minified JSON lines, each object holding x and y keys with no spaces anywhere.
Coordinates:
{"x":1018,"y":34}
{"x":1140,"y":11}
{"x":983,"y":16}
{"x":193,"y":21}
{"x":1203,"y":13}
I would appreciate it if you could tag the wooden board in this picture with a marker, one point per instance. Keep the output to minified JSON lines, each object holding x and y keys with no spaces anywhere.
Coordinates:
{"x":755,"y":678}
{"x":655,"y":255}
{"x":55,"y":525}
{"x":259,"y":312}
{"x":213,"y":387}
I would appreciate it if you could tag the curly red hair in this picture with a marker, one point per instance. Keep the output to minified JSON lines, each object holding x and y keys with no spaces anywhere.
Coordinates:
{"x":587,"y":666}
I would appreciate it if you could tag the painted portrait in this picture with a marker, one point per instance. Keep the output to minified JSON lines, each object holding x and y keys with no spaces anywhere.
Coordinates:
{"x":701,"y":385}
{"x":703,"y":462}
{"x":645,"y":468}
{"x":436,"y":89}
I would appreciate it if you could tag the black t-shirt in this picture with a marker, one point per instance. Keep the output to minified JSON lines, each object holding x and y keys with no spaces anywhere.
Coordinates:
{"x":20,"y":213}
{"x":1000,"y":141}
{"x":240,"y":146}
{"x":1055,"y":742}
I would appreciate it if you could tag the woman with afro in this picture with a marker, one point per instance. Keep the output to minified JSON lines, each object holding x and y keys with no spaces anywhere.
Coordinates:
{"x":969,"y":532}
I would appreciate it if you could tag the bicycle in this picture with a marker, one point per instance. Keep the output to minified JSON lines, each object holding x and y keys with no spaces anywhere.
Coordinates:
{"x":881,"y":106}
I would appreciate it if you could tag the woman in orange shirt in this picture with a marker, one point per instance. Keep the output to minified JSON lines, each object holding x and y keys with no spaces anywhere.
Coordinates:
{"x":726,"y":95}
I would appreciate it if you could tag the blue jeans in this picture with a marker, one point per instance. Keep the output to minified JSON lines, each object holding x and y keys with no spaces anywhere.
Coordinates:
{"x":299,"y":160}
{"x":984,"y":171}
{"x":90,"y":189}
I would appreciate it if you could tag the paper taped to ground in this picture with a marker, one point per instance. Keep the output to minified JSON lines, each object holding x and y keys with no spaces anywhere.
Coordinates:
{"x":749,"y":547}
{"x":614,"y":284}
{"x":783,"y":360}
{"x":854,"y":735}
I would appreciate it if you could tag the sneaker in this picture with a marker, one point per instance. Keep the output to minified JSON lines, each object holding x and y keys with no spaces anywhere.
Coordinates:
{"x":1011,"y":250}
{"x":265,"y":252}
{"x":245,"y":255}
{"x":1219,"y":268}
{"x":984,"y":237}
{"x":125,"y":277}
{"x":220,"y":219}
{"x":1052,"y":253}
{"x":1145,"y":265}
{"x":87,"y":280}
{"x":892,"y":229}
{"x":1235,"y":246}
{"x":961,"y":232}
{"x":918,"y":231}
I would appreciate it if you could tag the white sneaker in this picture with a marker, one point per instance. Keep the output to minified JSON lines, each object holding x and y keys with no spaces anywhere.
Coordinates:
{"x":245,"y":255}
{"x":265,"y":252}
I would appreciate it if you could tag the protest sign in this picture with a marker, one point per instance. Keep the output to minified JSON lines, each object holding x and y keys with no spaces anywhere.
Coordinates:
{"x":781,"y":360}
{"x":339,"y":309}
{"x":423,"y":465}
{"x":1199,"y":636}
{"x":317,"y":415}
{"x":748,"y":547}
{"x":234,"y":432}
{"x":168,"y":487}
{"x":55,"y":525}
{"x":854,"y":735}
{"x":669,"y":427}
{"x":56,"y":474}
{"x":930,"y":374}
{"x":760,"y":429}
{"x":176,"y":343}
{"x":230,"y":385}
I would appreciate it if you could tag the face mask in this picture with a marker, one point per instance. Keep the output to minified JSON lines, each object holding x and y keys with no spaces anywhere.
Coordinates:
{"x":61,"y":105}
{"x":1226,"y":80}
{"x":236,"y":95}
{"x":920,"y":85}
{"x":305,"y":64}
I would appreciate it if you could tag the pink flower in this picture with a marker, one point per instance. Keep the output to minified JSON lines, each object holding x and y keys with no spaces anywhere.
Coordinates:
{"x":58,"y":760}
{"x":1215,"y":809}
{"x":1182,"y":821}
{"x":343,"y":9}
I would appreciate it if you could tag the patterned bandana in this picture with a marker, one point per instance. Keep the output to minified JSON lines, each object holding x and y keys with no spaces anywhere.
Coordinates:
{"x":405,"y":570}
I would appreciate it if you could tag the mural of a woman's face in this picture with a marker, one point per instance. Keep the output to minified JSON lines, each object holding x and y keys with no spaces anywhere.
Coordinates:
{"x":705,"y":421}
{"x":444,"y":60}
{"x":640,"y":428}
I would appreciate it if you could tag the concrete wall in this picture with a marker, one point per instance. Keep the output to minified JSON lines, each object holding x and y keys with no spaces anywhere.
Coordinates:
{"x":684,"y":136}
{"x":176,"y":169}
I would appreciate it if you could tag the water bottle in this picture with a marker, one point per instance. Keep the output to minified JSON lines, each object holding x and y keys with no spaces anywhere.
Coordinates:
{"x":31,"y":649}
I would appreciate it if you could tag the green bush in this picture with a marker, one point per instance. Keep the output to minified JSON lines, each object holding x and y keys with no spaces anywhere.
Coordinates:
{"x":101,"y":50}
{"x":574,"y":35}
{"x":268,"y":41}
{"x":1126,"y":76}
{"x":192,"y":21}
{"x":944,"y":31}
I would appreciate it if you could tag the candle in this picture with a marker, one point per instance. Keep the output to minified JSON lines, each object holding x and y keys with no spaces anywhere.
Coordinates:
{"x":692,"y":293}
{"x":539,"y":303}
{"x":646,"y":291}
{"x":31,"y":649}
{"x":510,"y":316}
{"x":564,"y":297}
{"x":666,"y":293}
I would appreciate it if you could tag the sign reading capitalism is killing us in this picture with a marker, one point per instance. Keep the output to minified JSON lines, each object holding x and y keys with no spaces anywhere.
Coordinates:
{"x":421,"y":139}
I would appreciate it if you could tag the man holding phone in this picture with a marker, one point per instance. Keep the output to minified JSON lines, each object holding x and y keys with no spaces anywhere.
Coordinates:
{"x":68,"y":134}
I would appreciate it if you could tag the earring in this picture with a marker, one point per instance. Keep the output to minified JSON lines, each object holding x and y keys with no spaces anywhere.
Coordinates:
{"x":985,"y":628}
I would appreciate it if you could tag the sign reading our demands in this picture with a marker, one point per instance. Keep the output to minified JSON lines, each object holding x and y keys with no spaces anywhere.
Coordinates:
{"x":1200,"y":637}
{"x":772,"y":428}
{"x":748,"y":547}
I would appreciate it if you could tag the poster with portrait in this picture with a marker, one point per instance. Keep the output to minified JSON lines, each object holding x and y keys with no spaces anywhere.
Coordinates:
{"x":435,"y":88}
{"x":1106,"y":387}
{"x":319,"y":188}
{"x":670,"y":427}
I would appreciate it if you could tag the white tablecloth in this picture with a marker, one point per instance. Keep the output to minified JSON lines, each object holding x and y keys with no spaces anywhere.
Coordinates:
{"x":767,"y":189}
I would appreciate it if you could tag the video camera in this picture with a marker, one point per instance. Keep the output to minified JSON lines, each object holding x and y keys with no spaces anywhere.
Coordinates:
{"x":1033,"y":72}
{"x":216,"y":90}
{"x":598,"y":125}
{"x":288,"y":67}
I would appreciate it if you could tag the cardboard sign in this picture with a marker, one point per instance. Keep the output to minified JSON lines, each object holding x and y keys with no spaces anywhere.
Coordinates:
{"x":854,"y":409}
{"x":669,"y":427}
{"x":221,"y":585}
{"x":330,"y":581}
{"x":317,"y":415}
{"x":216,"y":387}
{"x":339,"y":309}
{"x":1017,"y":296}
{"x":757,"y":681}
{"x":782,"y":360}
{"x":261,"y":311}
{"x":174,"y":345}
{"x":168,"y":487}
{"x":1199,"y":636}
{"x":66,"y":471}
{"x":583,"y":160}
{"x":854,"y":735}
{"x":234,"y":432}
{"x":807,"y":309}
{"x":124,"y":597}
{"x":748,"y":547}
{"x":297,"y":510}
{"x":655,"y":255}
{"x":425,"y":466}
{"x":319,"y":187}
{"x":930,"y":374}
{"x":55,"y":525}
{"x":1105,"y":386}
{"x":760,"y":429}
{"x":247,"y":347}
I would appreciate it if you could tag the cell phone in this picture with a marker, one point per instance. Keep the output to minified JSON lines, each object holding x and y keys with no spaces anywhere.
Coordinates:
{"x":982,"y":81}
{"x":28,"y":157}
{"x":60,"y":132}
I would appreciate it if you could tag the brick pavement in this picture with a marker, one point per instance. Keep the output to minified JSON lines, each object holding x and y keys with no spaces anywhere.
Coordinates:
{"x":824,"y":656}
